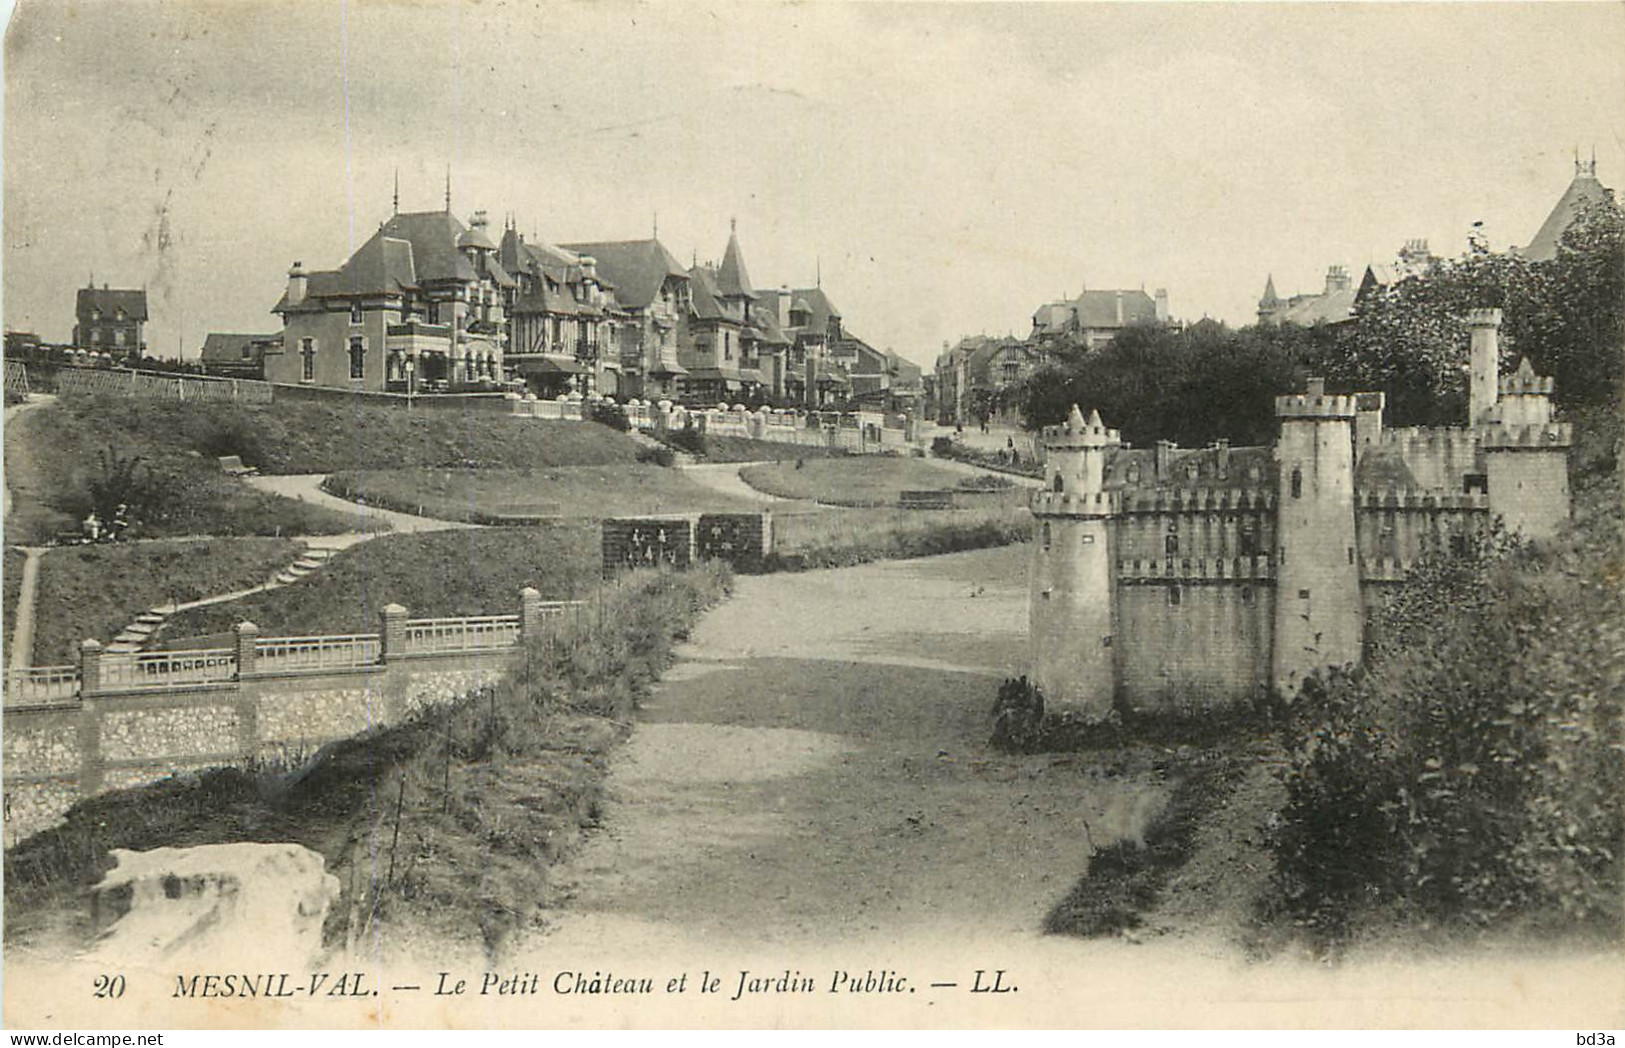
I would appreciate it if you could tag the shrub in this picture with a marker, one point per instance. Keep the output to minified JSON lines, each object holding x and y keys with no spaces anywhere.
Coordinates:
{"x":1469,"y":775}
{"x":688,"y":439}
{"x":942,"y":446}
{"x":661,"y":456}
{"x":1018,"y":715}
{"x":608,"y":413}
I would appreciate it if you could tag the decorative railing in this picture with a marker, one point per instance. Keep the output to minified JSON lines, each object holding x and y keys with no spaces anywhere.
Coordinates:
{"x":302,"y":654}
{"x":476,"y":633}
{"x":92,"y":381}
{"x":42,"y":686}
{"x":169,"y":669}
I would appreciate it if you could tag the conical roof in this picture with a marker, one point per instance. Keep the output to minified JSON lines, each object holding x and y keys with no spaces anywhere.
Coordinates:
{"x":1074,"y":420}
{"x":732,"y":279}
{"x":1270,"y":298}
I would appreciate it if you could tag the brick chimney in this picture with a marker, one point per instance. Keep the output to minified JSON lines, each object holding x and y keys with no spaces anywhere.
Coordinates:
{"x":1162,"y":305}
{"x":1119,"y":309}
{"x":1337,"y":279}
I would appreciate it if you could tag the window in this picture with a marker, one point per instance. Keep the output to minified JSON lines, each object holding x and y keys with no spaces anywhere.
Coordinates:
{"x":1087,"y":540}
{"x":727,"y":345}
{"x":1472,"y":482}
{"x":1249,"y":539}
{"x":358,"y":358}
{"x":1297,"y":483}
{"x":1058,"y":485}
{"x":355,"y":312}
{"x":118,"y":336}
{"x":1046,"y":535}
{"x":1170,"y":544}
{"x":1174,"y":596}
{"x":1246,"y":594}
{"x":1303,"y":594}
{"x":307,"y":350}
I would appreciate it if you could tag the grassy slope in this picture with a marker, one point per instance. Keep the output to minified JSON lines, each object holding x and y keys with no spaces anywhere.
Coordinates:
{"x":743,"y":449}
{"x":440,"y":573}
{"x":53,"y":454}
{"x":856,"y":480}
{"x":295,"y":437}
{"x":591,"y":492}
{"x":95,"y":591}
{"x":14,"y":581}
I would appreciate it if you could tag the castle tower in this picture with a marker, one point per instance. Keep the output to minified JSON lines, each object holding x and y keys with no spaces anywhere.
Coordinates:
{"x":1526,"y":456}
{"x":1319,"y":619}
{"x":1484,"y":363}
{"x":1071,"y":599}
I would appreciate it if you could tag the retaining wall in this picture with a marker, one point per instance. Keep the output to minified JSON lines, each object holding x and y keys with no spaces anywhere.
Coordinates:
{"x":114,"y":725}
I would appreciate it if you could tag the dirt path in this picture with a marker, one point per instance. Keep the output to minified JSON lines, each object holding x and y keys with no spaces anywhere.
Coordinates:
{"x":307,"y":487}
{"x":21,"y":652}
{"x":724,"y":479}
{"x":831,"y":782}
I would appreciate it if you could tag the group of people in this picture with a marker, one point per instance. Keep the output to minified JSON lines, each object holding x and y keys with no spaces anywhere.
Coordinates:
{"x":94,"y":529}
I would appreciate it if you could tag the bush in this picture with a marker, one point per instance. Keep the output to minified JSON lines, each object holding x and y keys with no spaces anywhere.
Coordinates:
{"x":1018,"y":715}
{"x":608,"y":413}
{"x":942,"y":447}
{"x":661,"y":456}
{"x":688,"y":439}
{"x":1469,"y":775}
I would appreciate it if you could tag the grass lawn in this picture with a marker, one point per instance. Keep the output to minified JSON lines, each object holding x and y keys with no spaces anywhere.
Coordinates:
{"x":95,"y":591}
{"x":13,"y":570}
{"x":720,"y":448}
{"x":55,"y":453}
{"x":477,"y":572}
{"x":591,"y":492}
{"x":853,"y":480}
{"x":840,"y":537}
{"x":298,"y":437}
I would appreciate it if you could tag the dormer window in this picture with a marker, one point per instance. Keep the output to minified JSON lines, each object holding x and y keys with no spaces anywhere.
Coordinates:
{"x":355,"y":312}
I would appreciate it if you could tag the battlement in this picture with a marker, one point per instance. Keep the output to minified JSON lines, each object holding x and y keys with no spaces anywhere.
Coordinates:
{"x":1547,"y":436}
{"x":1525,"y":383}
{"x":1316,"y":403}
{"x":1394,"y":499}
{"x":1197,"y":500}
{"x":1483,"y":318}
{"x":1195,"y":569}
{"x":1410,"y":439}
{"x":1080,"y":432}
{"x":1074,"y":504}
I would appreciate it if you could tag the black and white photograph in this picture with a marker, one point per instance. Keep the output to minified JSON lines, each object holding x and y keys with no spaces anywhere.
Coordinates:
{"x":806,"y":516}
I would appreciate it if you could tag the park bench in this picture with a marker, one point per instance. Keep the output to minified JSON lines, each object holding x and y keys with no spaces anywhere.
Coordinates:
{"x":926,"y":499}
{"x":232,"y":466}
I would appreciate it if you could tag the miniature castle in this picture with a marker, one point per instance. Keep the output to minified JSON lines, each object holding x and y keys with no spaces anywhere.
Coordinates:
{"x":1164,"y":574}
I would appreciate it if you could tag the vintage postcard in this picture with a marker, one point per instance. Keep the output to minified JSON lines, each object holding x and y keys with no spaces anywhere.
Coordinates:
{"x":849,"y":515}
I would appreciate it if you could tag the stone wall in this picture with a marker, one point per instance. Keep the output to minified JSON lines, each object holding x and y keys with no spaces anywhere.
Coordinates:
{"x":102,"y":734}
{"x":1186,"y":641}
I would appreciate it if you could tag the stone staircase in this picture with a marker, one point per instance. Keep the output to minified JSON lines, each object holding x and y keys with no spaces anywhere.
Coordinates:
{"x":147,"y":625}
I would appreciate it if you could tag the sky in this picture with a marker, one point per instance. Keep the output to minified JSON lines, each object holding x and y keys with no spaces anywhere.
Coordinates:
{"x":945,"y":168}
